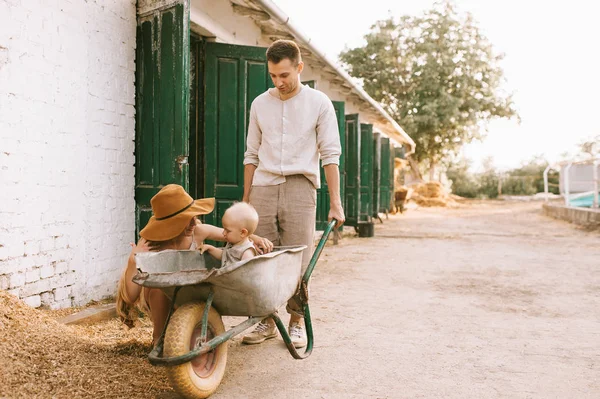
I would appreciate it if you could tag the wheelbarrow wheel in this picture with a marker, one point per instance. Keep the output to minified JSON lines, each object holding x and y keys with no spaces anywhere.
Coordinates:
{"x":200,"y":377}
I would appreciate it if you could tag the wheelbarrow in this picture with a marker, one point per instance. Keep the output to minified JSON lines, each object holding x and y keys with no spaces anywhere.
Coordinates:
{"x":400,"y":198}
{"x":193,"y":344}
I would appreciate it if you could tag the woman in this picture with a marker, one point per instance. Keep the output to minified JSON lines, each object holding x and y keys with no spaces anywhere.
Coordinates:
{"x":172,"y":226}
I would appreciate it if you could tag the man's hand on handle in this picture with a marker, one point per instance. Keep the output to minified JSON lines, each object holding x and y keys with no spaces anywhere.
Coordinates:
{"x":336,"y":212}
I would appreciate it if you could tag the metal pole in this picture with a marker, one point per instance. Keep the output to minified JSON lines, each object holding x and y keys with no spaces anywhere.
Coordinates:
{"x":546,"y":182}
{"x":596,"y":164}
{"x":567,"y":188}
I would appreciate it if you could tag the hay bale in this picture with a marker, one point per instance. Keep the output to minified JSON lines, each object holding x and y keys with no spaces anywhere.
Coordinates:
{"x":435,"y":190}
{"x":431,"y":190}
{"x":431,"y":194}
{"x":430,"y":202}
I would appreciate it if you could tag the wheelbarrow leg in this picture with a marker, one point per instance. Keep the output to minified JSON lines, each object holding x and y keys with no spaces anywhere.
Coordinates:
{"x":301,"y":298}
{"x":288,"y":340}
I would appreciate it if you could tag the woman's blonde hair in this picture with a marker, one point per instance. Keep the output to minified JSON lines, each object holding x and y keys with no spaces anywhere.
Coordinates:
{"x":129,"y":310}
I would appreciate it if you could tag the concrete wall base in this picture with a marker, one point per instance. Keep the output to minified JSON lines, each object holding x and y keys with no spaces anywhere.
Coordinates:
{"x":582,"y":216}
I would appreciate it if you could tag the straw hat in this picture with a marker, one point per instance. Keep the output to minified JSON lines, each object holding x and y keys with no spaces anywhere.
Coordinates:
{"x":172,"y":210}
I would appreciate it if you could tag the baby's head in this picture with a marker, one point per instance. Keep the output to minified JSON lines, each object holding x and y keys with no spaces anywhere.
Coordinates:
{"x":239,"y":222}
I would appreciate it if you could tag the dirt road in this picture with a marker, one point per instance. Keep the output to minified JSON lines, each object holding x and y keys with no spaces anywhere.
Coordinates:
{"x":489,"y":301}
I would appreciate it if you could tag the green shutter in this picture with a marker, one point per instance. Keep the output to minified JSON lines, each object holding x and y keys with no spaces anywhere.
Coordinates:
{"x":376,"y":173}
{"x":323,"y":200}
{"x":366,"y":172}
{"x":352,"y":170}
{"x":162,"y":104}
{"x":385,"y":196}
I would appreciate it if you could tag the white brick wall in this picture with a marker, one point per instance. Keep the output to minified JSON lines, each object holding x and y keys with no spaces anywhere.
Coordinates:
{"x":66,"y":147}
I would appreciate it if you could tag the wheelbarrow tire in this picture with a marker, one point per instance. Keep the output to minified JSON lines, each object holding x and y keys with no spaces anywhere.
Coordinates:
{"x":192,"y":380}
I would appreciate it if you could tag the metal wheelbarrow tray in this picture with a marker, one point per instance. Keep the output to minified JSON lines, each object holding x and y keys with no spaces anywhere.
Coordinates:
{"x":200,"y":291}
{"x":255,"y":287}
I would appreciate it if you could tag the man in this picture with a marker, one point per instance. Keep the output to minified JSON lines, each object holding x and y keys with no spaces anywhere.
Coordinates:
{"x":291,"y":127}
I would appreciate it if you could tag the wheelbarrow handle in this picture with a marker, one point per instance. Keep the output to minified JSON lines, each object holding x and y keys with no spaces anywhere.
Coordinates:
{"x":317,"y":253}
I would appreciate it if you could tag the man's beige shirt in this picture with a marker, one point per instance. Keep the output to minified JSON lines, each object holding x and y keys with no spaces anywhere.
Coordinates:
{"x":288,"y":137}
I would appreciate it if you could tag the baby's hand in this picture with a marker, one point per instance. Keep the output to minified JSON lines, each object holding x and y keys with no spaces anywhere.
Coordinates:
{"x":205,"y":247}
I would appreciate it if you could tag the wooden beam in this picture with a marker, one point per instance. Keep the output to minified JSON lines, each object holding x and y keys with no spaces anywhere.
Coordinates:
{"x":329,"y":74}
{"x":92,"y":314}
{"x":345,"y":92}
{"x":336,"y":85}
{"x":269,"y":30}
{"x":334,"y":76}
{"x":310,"y":57}
{"x":279,"y":37}
{"x":319,"y":64}
{"x":304,"y":52}
{"x":336,"y":236}
{"x":365,"y":107}
{"x":356,"y":98}
{"x":250,"y":12}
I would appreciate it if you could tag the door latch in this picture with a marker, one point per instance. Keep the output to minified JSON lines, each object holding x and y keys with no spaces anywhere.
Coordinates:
{"x":181,"y":160}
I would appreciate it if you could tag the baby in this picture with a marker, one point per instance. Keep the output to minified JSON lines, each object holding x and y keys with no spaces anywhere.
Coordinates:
{"x":239,"y":222}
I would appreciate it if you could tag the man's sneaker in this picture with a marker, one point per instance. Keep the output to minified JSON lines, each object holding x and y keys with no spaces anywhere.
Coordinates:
{"x":261,"y":333}
{"x":297,"y":335}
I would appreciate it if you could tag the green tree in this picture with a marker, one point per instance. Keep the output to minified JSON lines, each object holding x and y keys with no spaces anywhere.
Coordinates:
{"x":525,"y":180}
{"x":529,"y":178}
{"x":436,"y":75}
{"x":590,"y":148}
{"x":464,"y":183}
{"x":489,"y":179}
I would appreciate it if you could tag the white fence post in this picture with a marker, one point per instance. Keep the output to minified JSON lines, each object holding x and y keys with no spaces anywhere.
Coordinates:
{"x":567,"y":187}
{"x":596,"y":164}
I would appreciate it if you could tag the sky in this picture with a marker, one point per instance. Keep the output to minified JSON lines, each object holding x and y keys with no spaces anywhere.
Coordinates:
{"x":551,"y":65}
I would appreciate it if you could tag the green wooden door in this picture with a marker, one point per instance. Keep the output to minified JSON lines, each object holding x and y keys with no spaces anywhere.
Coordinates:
{"x":385,"y":194}
{"x":392,"y":176}
{"x":234,"y":76}
{"x":340,"y":112}
{"x":376,"y":173}
{"x":366,"y":172}
{"x":162,"y":104}
{"x":322,"y":193}
{"x":323,"y":200}
{"x":352,"y":170}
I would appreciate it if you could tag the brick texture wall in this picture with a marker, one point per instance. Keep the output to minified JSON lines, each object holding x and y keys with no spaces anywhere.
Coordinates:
{"x":66,"y":147}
